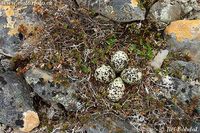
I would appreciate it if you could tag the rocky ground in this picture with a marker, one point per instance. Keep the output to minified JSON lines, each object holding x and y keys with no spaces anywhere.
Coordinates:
{"x":99,"y":66}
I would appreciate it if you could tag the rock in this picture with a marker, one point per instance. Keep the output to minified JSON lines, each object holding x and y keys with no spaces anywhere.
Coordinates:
{"x":131,"y":75}
{"x":165,"y":11}
{"x":18,"y":22}
{"x":30,"y":120}
{"x":119,"y":61}
{"x":184,"y":35}
{"x":43,"y":85}
{"x":104,"y":74}
{"x":111,"y":124}
{"x":187,"y":70}
{"x":140,"y":122}
{"x":159,"y":58}
{"x":184,"y":91}
{"x":194,"y":15}
{"x":7,"y":64}
{"x":195,"y":127}
{"x":116,"y":90}
{"x":189,"y":5}
{"x":15,"y":102}
{"x":117,"y":10}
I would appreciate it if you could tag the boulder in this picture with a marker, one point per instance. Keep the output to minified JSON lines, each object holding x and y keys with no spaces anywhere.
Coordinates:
{"x":184,"y":91}
{"x":189,"y":5}
{"x":165,"y":11}
{"x":184,"y":35}
{"x":105,"y":124}
{"x":43,"y":85}
{"x":117,"y":10}
{"x":16,"y":105}
{"x":185,"y":70}
{"x":17,"y":23}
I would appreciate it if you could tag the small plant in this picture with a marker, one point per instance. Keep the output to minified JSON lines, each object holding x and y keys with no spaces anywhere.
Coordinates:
{"x":145,"y":51}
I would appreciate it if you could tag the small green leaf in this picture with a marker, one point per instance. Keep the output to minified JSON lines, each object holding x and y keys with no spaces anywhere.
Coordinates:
{"x":85,"y":69}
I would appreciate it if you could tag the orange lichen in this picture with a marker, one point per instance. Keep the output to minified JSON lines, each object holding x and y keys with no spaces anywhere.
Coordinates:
{"x":31,"y":120}
{"x":38,"y":9}
{"x":134,"y":3}
{"x":184,"y":29}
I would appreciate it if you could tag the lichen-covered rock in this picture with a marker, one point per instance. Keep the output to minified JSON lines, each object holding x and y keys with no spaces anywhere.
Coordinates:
{"x":100,"y":125}
{"x":139,"y":121}
{"x":7,"y":64}
{"x":104,"y":74}
{"x":17,"y":23}
{"x":185,"y":70}
{"x":116,"y":90}
{"x":43,"y":85}
{"x":131,"y":75}
{"x":117,"y":10}
{"x":184,"y":91}
{"x":165,"y":11}
{"x":15,"y":103}
{"x":189,"y":5}
{"x":185,"y":35}
{"x":119,"y":61}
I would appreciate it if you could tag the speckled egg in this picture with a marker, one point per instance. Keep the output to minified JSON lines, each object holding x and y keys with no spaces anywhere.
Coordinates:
{"x":116,"y":90}
{"x":131,"y":75}
{"x":119,"y":61}
{"x":104,"y":74}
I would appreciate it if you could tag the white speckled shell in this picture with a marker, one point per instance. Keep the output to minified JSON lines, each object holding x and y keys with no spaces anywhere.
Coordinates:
{"x":104,"y":74}
{"x":131,"y":75}
{"x":116,"y":89}
{"x":119,"y":61}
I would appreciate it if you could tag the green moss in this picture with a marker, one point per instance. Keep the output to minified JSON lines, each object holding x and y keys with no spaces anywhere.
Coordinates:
{"x":85,"y":69}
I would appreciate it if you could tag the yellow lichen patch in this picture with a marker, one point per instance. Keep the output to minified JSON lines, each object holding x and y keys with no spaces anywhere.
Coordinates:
{"x":184,"y":29}
{"x":134,"y":3}
{"x":46,"y":77}
{"x":9,"y":10}
{"x":31,"y":120}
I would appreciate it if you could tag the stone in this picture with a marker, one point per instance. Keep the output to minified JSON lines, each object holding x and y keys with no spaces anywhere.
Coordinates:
{"x":184,"y":35}
{"x":165,"y":11}
{"x":31,"y":120}
{"x":18,"y":22}
{"x":184,"y":91}
{"x":194,"y":15}
{"x":7,"y":64}
{"x":16,"y":105}
{"x":105,"y":124}
{"x":131,"y":75}
{"x":116,"y":90}
{"x":43,"y":85}
{"x":189,"y":5}
{"x":195,"y":127}
{"x":119,"y":61}
{"x":104,"y":74}
{"x":140,"y":122}
{"x":186,"y":70}
{"x":117,"y":10}
{"x":157,"y":62}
